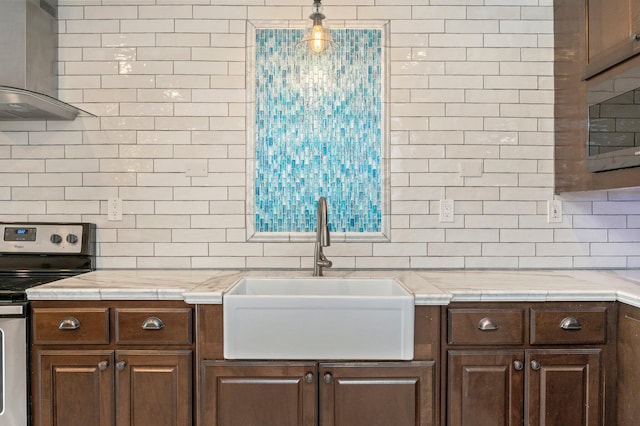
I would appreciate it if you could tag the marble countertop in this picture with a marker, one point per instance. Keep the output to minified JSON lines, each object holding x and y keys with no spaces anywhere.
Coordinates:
{"x":429,"y":287}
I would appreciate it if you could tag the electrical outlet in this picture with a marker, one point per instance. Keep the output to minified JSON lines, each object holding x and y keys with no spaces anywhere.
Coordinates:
{"x":114,"y":209}
{"x":554,"y":211}
{"x":446,"y":211}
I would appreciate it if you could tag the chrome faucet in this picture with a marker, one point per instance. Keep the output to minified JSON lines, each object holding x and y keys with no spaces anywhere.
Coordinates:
{"x":322,"y":239}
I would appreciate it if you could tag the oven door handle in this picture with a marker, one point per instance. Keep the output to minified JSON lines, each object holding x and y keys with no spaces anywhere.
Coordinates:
{"x":69,"y":323}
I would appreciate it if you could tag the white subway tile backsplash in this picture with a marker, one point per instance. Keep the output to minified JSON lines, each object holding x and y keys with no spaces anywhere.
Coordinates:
{"x":42,"y":151}
{"x":24,"y":193}
{"x":508,"y":249}
{"x":147,"y":25}
{"x":102,"y":26}
{"x":441,"y":11}
{"x":493,"y":12}
{"x":109,"y":12}
{"x":144,"y":109}
{"x":19,"y":207}
{"x":105,"y":179}
{"x":469,"y":79}
{"x":180,"y":249}
{"x":79,"y":40}
{"x":70,"y":207}
{"x":124,"y":41}
{"x":538,"y":262}
{"x":182,"y":39}
{"x":454,"y":249}
{"x":181,"y":123}
{"x":126,"y":249}
{"x":108,"y":165}
{"x":616,"y":207}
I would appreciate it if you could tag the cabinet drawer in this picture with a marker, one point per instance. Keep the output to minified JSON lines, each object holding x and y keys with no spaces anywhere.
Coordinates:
{"x":169,"y":326}
{"x":71,"y":326}
{"x":485,"y":326}
{"x":569,"y":326}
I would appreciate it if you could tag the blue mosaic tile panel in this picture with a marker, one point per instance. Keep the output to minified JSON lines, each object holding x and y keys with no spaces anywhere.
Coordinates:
{"x":318,"y":132}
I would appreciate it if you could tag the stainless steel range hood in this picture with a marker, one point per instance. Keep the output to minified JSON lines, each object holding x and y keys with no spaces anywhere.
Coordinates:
{"x":29,"y":61}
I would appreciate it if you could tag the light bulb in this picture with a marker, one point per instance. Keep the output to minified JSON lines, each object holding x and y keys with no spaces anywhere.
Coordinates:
{"x":317,"y":39}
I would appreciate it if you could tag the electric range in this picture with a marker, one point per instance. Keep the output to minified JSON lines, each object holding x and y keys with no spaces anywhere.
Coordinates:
{"x":32,"y":253}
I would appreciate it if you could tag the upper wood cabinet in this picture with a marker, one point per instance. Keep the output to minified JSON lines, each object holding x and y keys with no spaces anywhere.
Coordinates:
{"x":594,"y":39}
{"x":612,"y":26}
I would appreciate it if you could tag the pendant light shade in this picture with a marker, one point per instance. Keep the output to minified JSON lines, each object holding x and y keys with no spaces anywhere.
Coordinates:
{"x":317,"y":36}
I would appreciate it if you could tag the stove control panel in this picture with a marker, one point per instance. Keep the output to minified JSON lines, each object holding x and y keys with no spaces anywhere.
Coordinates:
{"x":41,"y":238}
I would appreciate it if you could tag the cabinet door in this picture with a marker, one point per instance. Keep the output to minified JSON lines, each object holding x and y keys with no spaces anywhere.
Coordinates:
{"x":153,"y":388}
{"x":74,"y":388}
{"x":259,"y":393}
{"x":628,"y":383}
{"x":611,"y":29}
{"x":564,"y":387}
{"x":377,"y":394}
{"x":485,"y":388}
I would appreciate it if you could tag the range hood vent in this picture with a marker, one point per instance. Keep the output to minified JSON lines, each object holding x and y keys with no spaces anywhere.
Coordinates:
{"x":29,"y":61}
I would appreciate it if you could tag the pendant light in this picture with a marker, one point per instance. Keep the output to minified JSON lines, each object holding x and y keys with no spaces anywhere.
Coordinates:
{"x":317,"y":37}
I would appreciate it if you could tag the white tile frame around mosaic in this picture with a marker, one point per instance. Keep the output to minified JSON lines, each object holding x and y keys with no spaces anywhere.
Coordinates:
{"x":252,"y":234}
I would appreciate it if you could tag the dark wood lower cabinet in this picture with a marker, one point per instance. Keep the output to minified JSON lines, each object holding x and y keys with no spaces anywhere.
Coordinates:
{"x":369,"y":394}
{"x":153,"y":388}
{"x":139,"y":388}
{"x":309,"y":394}
{"x":112,"y":363}
{"x":546,"y":387}
{"x":628,"y":383}
{"x":554,"y":364}
{"x":258,"y":394}
{"x":74,"y":388}
{"x":564,"y":387}
{"x":485,"y":388}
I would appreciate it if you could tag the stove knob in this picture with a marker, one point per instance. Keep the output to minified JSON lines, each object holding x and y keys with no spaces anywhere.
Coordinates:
{"x":55,"y":239}
{"x":72,"y":238}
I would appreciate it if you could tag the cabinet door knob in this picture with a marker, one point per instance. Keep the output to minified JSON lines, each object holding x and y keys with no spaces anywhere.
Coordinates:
{"x":308,"y":377}
{"x":102,"y":365}
{"x":487,"y":324}
{"x":570,"y":323}
{"x":637,"y":36}
{"x":518,"y":365}
{"x":152,"y":323}
{"x":69,"y":323}
{"x":121,"y":365}
{"x":327,"y":378}
{"x":535,"y":365}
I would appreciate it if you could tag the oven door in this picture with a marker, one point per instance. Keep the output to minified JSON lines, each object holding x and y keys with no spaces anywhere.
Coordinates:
{"x":13,"y":365}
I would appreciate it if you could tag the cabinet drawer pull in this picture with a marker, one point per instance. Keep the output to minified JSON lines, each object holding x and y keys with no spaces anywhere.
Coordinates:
{"x":152,"y":323}
{"x":570,"y":323}
{"x":487,"y":324}
{"x":308,"y":377}
{"x":69,"y":323}
{"x":518,"y":365}
{"x":102,"y":365}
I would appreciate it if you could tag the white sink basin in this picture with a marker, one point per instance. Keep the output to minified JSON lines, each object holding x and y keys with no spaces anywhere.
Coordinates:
{"x":318,"y":318}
